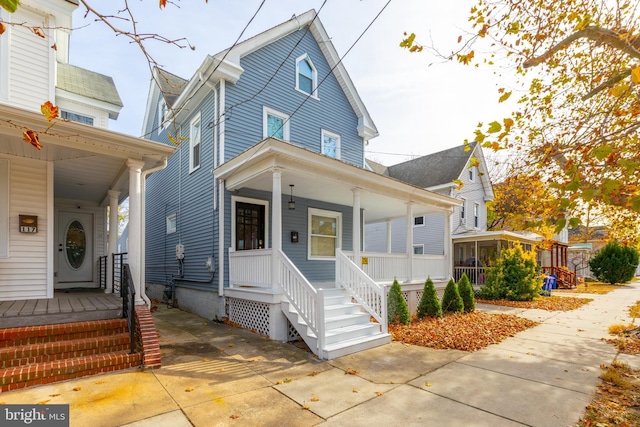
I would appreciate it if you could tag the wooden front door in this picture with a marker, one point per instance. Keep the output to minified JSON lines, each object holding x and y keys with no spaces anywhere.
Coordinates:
{"x":250,"y":226}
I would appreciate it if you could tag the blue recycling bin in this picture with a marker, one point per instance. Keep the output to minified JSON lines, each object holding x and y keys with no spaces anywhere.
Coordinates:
{"x":549,"y":283}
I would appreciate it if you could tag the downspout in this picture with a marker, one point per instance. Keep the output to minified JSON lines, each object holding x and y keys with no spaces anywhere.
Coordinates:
{"x":143,"y":245}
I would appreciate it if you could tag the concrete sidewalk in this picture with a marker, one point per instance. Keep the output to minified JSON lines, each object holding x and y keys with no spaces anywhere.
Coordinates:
{"x":216,"y":375}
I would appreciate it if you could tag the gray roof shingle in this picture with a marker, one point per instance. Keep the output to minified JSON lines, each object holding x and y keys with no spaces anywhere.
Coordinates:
{"x":170,"y":85}
{"x":87,"y":83}
{"x":433,"y":169}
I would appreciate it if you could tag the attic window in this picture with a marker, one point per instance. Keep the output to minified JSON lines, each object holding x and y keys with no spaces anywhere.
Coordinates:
{"x":306,"y":76}
{"x":162,"y":114}
{"x":78,"y":118}
{"x":471,"y":175}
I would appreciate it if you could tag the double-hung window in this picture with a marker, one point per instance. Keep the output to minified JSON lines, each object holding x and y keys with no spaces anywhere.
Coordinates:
{"x":325,"y":233}
{"x":275,"y":124}
{"x":4,"y":208}
{"x":476,"y":215}
{"x":330,"y":144}
{"x":306,"y":76}
{"x":194,"y":144}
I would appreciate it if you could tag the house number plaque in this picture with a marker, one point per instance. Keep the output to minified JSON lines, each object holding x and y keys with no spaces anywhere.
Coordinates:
{"x":28,"y":223}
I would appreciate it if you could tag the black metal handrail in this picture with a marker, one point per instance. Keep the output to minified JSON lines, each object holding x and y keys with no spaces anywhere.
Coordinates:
{"x":117,"y":274}
{"x":102,"y":268}
{"x":128,"y":303}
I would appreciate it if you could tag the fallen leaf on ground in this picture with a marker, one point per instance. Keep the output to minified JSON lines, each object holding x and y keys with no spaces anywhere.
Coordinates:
{"x":315,"y":399}
{"x":350,"y":371}
{"x":43,"y":402}
{"x":552,"y":303}
{"x":234,"y":416}
{"x":77,"y":388}
{"x":189,"y":389}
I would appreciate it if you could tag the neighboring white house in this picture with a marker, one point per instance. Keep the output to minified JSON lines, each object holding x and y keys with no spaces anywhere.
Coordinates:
{"x":53,"y":201}
{"x":459,"y":172}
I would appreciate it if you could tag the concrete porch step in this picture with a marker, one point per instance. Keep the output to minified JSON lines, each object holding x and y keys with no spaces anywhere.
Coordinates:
{"x":355,"y":345}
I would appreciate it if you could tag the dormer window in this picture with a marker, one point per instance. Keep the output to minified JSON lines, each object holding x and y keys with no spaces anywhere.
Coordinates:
{"x":75,"y":117}
{"x":306,"y":76}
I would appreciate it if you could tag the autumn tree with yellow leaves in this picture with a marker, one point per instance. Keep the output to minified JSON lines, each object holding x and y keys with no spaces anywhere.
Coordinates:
{"x":577,"y":95}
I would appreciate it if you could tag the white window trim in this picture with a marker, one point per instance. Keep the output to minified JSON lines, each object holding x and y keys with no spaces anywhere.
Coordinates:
{"x":264,"y":203}
{"x":476,"y":215}
{"x":314,"y":83}
{"x":193,"y":143}
{"x":172,"y":223}
{"x":338,"y":142}
{"x":419,"y":225}
{"x":463,"y":210}
{"x":418,"y":246}
{"x":472,"y":174}
{"x":4,"y":208}
{"x":163,"y":112}
{"x":330,"y":214}
{"x":266,"y":111}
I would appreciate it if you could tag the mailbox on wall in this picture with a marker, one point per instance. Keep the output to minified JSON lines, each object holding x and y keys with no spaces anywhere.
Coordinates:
{"x":28,"y":223}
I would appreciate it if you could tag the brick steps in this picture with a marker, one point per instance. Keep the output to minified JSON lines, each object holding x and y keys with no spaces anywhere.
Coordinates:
{"x":34,"y":355}
{"x":58,"y":350}
{"x":61,"y":370}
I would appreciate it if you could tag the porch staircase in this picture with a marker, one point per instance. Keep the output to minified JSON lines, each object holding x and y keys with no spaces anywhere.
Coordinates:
{"x":347,"y":328}
{"x":34,"y":355}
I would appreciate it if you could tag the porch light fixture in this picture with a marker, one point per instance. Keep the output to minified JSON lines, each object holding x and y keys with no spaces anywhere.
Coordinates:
{"x":292,"y":204}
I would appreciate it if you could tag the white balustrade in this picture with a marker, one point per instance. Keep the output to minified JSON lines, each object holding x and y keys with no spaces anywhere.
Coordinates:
{"x":250,"y":268}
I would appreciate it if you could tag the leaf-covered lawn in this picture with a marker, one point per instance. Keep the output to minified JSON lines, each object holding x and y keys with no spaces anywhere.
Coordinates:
{"x":552,"y":303}
{"x":466,"y":332}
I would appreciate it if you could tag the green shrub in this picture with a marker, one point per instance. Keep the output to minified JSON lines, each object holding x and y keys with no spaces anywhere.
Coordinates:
{"x":429,"y":304}
{"x":466,"y":293}
{"x":515,"y":276}
{"x":397,"y":310}
{"x":451,"y":301}
{"x":614,"y":263}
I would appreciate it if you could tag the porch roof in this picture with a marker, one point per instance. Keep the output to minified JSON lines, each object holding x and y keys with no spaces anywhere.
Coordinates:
{"x":88,"y":161}
{"x":319,"y":177}
{"x":471,"y":236}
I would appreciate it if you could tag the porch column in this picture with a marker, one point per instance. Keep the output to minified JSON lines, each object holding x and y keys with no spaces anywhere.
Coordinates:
{"x":356,"y":227}
{"x":276,"y":226}
{"x":113,"y":236}
{"x":389,"y":236}
{"x":409,"y":242}
{"x":135,"y":234}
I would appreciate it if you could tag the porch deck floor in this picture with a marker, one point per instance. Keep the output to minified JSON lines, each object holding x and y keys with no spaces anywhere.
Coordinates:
{"x":65,"y":306}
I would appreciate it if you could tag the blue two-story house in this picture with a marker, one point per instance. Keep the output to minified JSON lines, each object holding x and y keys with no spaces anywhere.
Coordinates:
{"x":259,"y":216}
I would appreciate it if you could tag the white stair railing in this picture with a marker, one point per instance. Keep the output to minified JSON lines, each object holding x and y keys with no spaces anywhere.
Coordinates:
{"x":304,"y":297}
{"x":363,"y":288}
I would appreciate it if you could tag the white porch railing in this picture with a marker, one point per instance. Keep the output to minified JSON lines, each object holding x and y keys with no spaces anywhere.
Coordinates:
{"x":250,"y":268}
{"x":363,"y":288}
{"x":308,"y":301}
{"x":476,"y":275}
{"x":385,"y":267}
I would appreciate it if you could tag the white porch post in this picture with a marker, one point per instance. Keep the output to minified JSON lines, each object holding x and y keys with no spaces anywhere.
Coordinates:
{"x":113,"y":235}
{"x":389,"y":236}
{"x":135,"y":232}
{"x":448,"y":251}
{"x":356,"y":227}
{"x":276,"y":237}
{"x":409,"y":242}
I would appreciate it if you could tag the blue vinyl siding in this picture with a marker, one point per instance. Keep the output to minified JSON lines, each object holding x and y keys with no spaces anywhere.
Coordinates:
{"x":191,"y":197}
{"x":332,"y":111}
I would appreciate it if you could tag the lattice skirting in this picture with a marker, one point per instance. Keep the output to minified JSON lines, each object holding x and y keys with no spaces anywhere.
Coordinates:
{"x":249,"y":314}
{"x":256,"y":316}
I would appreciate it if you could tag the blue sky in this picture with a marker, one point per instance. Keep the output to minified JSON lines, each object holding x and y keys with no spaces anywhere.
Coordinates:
{"x":419,"y":105}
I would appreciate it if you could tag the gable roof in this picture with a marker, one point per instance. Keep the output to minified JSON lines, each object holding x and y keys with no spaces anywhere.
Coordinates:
{"x":377,"y":167}
{"x":89,"y":84}
{"x":226,"y":64}
{"x":434,"y":169}
{"x":170,"y":85}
